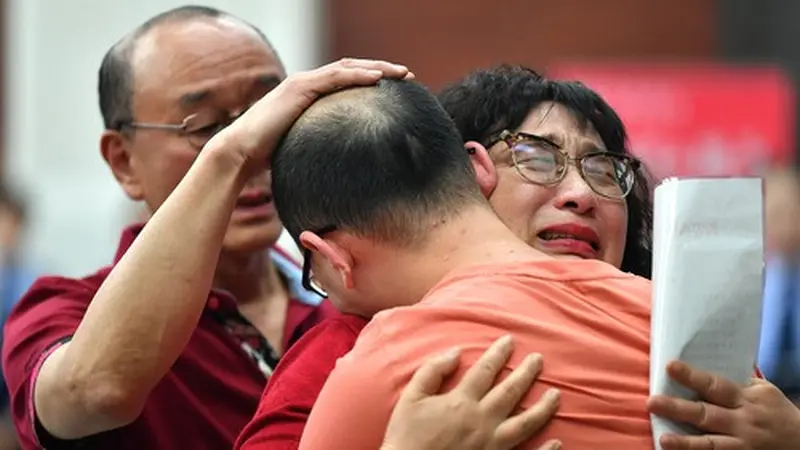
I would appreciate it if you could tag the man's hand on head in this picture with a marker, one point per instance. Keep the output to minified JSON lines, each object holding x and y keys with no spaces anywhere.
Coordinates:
{"x":475,"y":415}
{"x":753,"y":417}
{"x":252,"y":138}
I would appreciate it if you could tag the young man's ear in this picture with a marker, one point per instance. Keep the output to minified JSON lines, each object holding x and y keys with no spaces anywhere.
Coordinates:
{"x":485,"y":171}
{"x":339,"y":258}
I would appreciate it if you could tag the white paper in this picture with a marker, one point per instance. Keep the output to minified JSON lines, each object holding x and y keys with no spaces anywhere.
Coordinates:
{"x":708,"y":265}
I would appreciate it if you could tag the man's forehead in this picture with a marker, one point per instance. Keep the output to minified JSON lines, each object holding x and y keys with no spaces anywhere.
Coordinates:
{"x":190,"y":54}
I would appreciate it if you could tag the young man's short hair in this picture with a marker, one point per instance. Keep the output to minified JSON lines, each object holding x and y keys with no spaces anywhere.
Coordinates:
{"x":379,"y":162}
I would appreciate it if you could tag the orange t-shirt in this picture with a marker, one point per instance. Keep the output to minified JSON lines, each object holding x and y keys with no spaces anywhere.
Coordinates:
{"x":589,"y":320}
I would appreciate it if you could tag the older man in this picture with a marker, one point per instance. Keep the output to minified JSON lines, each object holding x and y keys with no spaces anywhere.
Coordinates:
{"x":171,"y":346}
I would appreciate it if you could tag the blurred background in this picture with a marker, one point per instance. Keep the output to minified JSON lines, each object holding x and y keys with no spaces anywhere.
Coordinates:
{"x":706,"y":87}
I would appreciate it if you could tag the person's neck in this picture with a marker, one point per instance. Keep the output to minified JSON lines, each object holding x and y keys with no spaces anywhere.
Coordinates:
{"x":252,"y":278}
{"x":475,"y":237}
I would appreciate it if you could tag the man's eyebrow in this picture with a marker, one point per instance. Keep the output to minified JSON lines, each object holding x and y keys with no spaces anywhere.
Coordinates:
{"x":269,"y":80}
{"x":192,"y":98}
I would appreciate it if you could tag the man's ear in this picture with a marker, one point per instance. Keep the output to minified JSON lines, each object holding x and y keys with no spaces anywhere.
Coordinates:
{"x":115,"y":149}
{"x":340,"y":259}
{"x":485,"y":171}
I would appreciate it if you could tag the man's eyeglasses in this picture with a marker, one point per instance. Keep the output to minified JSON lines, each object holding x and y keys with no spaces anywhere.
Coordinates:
{"x":309,"y":282}
{"x":542,"y":162}
{"x":198,"y":128}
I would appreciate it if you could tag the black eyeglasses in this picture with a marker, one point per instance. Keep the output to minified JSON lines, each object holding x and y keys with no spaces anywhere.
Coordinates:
{"x":309,"y":282}
{"x":198,"y":128}
{"x":542,"y":162}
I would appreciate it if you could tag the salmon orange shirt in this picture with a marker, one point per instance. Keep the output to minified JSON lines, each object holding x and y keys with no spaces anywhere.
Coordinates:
{"x":589,"y":320}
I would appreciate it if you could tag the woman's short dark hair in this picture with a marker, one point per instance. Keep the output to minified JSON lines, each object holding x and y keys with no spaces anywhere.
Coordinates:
{"x":488,"y":101}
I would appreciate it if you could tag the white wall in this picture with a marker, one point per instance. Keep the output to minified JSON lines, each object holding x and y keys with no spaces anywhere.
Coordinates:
{"x":54,"y":48}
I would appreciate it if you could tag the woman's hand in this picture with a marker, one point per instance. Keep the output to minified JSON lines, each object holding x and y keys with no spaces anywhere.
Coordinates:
{"x":753,"y":417}
{"x":475,"y":415}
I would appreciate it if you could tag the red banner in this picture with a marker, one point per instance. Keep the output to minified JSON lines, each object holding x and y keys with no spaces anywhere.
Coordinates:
{"x":690,"y":120}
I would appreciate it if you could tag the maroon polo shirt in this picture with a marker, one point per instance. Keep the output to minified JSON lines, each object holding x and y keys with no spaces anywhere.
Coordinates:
{"x":296,"y":384}
{"x":203,"y":402}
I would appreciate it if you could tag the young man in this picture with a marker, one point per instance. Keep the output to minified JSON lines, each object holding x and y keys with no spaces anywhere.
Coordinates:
{"x":395,"y":219}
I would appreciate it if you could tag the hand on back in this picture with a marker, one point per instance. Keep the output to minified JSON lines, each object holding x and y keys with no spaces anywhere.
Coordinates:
{"x":476,"y":414}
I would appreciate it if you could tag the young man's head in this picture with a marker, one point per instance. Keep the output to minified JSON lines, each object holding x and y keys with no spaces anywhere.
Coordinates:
{"x":365,"y":174}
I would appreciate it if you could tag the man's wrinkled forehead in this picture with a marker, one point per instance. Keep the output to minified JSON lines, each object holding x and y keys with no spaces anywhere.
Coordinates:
{"x":192,"y":51}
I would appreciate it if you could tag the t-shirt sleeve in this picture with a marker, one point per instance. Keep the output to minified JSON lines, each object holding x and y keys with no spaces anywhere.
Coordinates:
{"x":294,"y":387}
{"x":355,"y":404}
{"x":45,"y":318}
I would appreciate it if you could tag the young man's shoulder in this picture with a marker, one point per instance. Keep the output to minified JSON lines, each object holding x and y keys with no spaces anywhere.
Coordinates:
{"x":494,"y":294}
{"x":543,"y":278}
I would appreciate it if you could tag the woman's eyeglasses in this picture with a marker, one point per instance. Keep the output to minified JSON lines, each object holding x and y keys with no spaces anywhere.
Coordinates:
{"x":542,"y":162}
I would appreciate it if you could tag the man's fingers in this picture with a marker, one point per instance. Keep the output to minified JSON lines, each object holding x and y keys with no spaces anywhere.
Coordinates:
{"x":705,"y":416}
{"x":387,"y":69}
{"x":705,"y":442}
{"x":330,"y":79}
{"x":428,"y":379}
{"x":552,"y":444}
{"x":349,"y":73}
{"x":712,"y":388}
{"x":504,"y":397}
{"x":518,"y":428}
{"x":480,"y":377}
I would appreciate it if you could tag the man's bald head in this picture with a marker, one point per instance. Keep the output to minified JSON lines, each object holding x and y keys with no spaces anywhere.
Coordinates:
{"x":379,"y":162}
{"x":116,"y":75}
